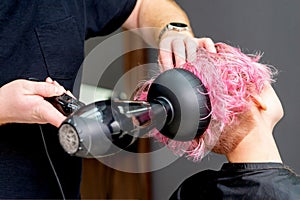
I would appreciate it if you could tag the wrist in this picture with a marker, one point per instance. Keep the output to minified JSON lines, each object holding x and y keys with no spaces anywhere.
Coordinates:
{"x":176,"y":27}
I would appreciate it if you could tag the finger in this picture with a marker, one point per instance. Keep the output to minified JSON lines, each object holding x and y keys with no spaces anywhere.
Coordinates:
{"x":208,"y":44}
{"x":46,"y":90}
{"x":55,"y":118}
{"x":165,"y":55}
{"x":48,"y":114}
{"x":178,"y":48}
{"x":191,"y":48}
{"x":68,"y":92}
{"x":56,"y":83}
{"x":49,"y":80}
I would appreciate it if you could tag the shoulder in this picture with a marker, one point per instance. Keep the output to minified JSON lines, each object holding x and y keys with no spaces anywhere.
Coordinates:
{"x":201,"y":185}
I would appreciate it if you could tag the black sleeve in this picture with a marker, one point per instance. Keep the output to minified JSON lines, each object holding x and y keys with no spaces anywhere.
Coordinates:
{"x":105,"y":16}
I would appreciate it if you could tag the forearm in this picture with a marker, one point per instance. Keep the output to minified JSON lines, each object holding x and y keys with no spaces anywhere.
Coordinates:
{"x":155,"y":14}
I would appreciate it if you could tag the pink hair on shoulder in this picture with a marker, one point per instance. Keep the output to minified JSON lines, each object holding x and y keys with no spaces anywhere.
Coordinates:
{"x":230,"y":77}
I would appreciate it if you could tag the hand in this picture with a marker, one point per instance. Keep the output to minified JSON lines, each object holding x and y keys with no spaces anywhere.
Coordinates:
{"x":177,"y":48}
{"x":22,"y":101}
{"x":49,"y":80}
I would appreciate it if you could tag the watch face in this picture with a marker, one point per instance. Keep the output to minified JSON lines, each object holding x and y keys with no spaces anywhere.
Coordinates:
{"x":68,"y":138}
{"x":175,"y":26}
{"x":178,"y":24}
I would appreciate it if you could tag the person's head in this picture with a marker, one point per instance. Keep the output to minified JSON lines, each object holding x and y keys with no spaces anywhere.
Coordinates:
{"x":240,"y":93}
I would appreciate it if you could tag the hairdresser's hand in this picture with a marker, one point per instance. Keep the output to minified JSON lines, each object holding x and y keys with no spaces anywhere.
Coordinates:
{"x":22,"y":101}
{"x":176,"y":48}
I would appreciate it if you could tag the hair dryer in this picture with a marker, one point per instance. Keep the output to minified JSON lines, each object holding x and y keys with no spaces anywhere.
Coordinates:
{"x":177,"y":106}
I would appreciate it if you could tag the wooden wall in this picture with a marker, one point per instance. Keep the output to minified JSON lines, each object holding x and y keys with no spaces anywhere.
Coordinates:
{"x":102,"y":182}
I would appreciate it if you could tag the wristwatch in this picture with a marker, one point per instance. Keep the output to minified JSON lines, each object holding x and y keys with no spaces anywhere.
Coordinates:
{"x":174,"y":26}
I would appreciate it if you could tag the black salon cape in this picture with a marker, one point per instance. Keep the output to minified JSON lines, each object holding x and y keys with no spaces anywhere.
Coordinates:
{"x":41,"y":38}
{"x":257,"y":181}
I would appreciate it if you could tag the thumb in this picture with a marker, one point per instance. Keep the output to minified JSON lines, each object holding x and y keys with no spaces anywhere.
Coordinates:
{"x":51,"y":115}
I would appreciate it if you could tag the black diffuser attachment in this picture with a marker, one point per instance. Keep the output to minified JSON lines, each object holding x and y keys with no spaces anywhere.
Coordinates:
{"x":189,"y":103}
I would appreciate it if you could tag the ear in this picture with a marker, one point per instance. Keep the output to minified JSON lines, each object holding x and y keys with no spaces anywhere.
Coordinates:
{"x":259,"y":102}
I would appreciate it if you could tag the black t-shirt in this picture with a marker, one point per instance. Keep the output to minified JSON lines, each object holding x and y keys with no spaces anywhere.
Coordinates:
{"x":242,"y":181}
{"x":39,"y":39}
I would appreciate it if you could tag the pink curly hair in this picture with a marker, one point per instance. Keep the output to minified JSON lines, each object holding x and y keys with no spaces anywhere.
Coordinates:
{"x":230,"y":77}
